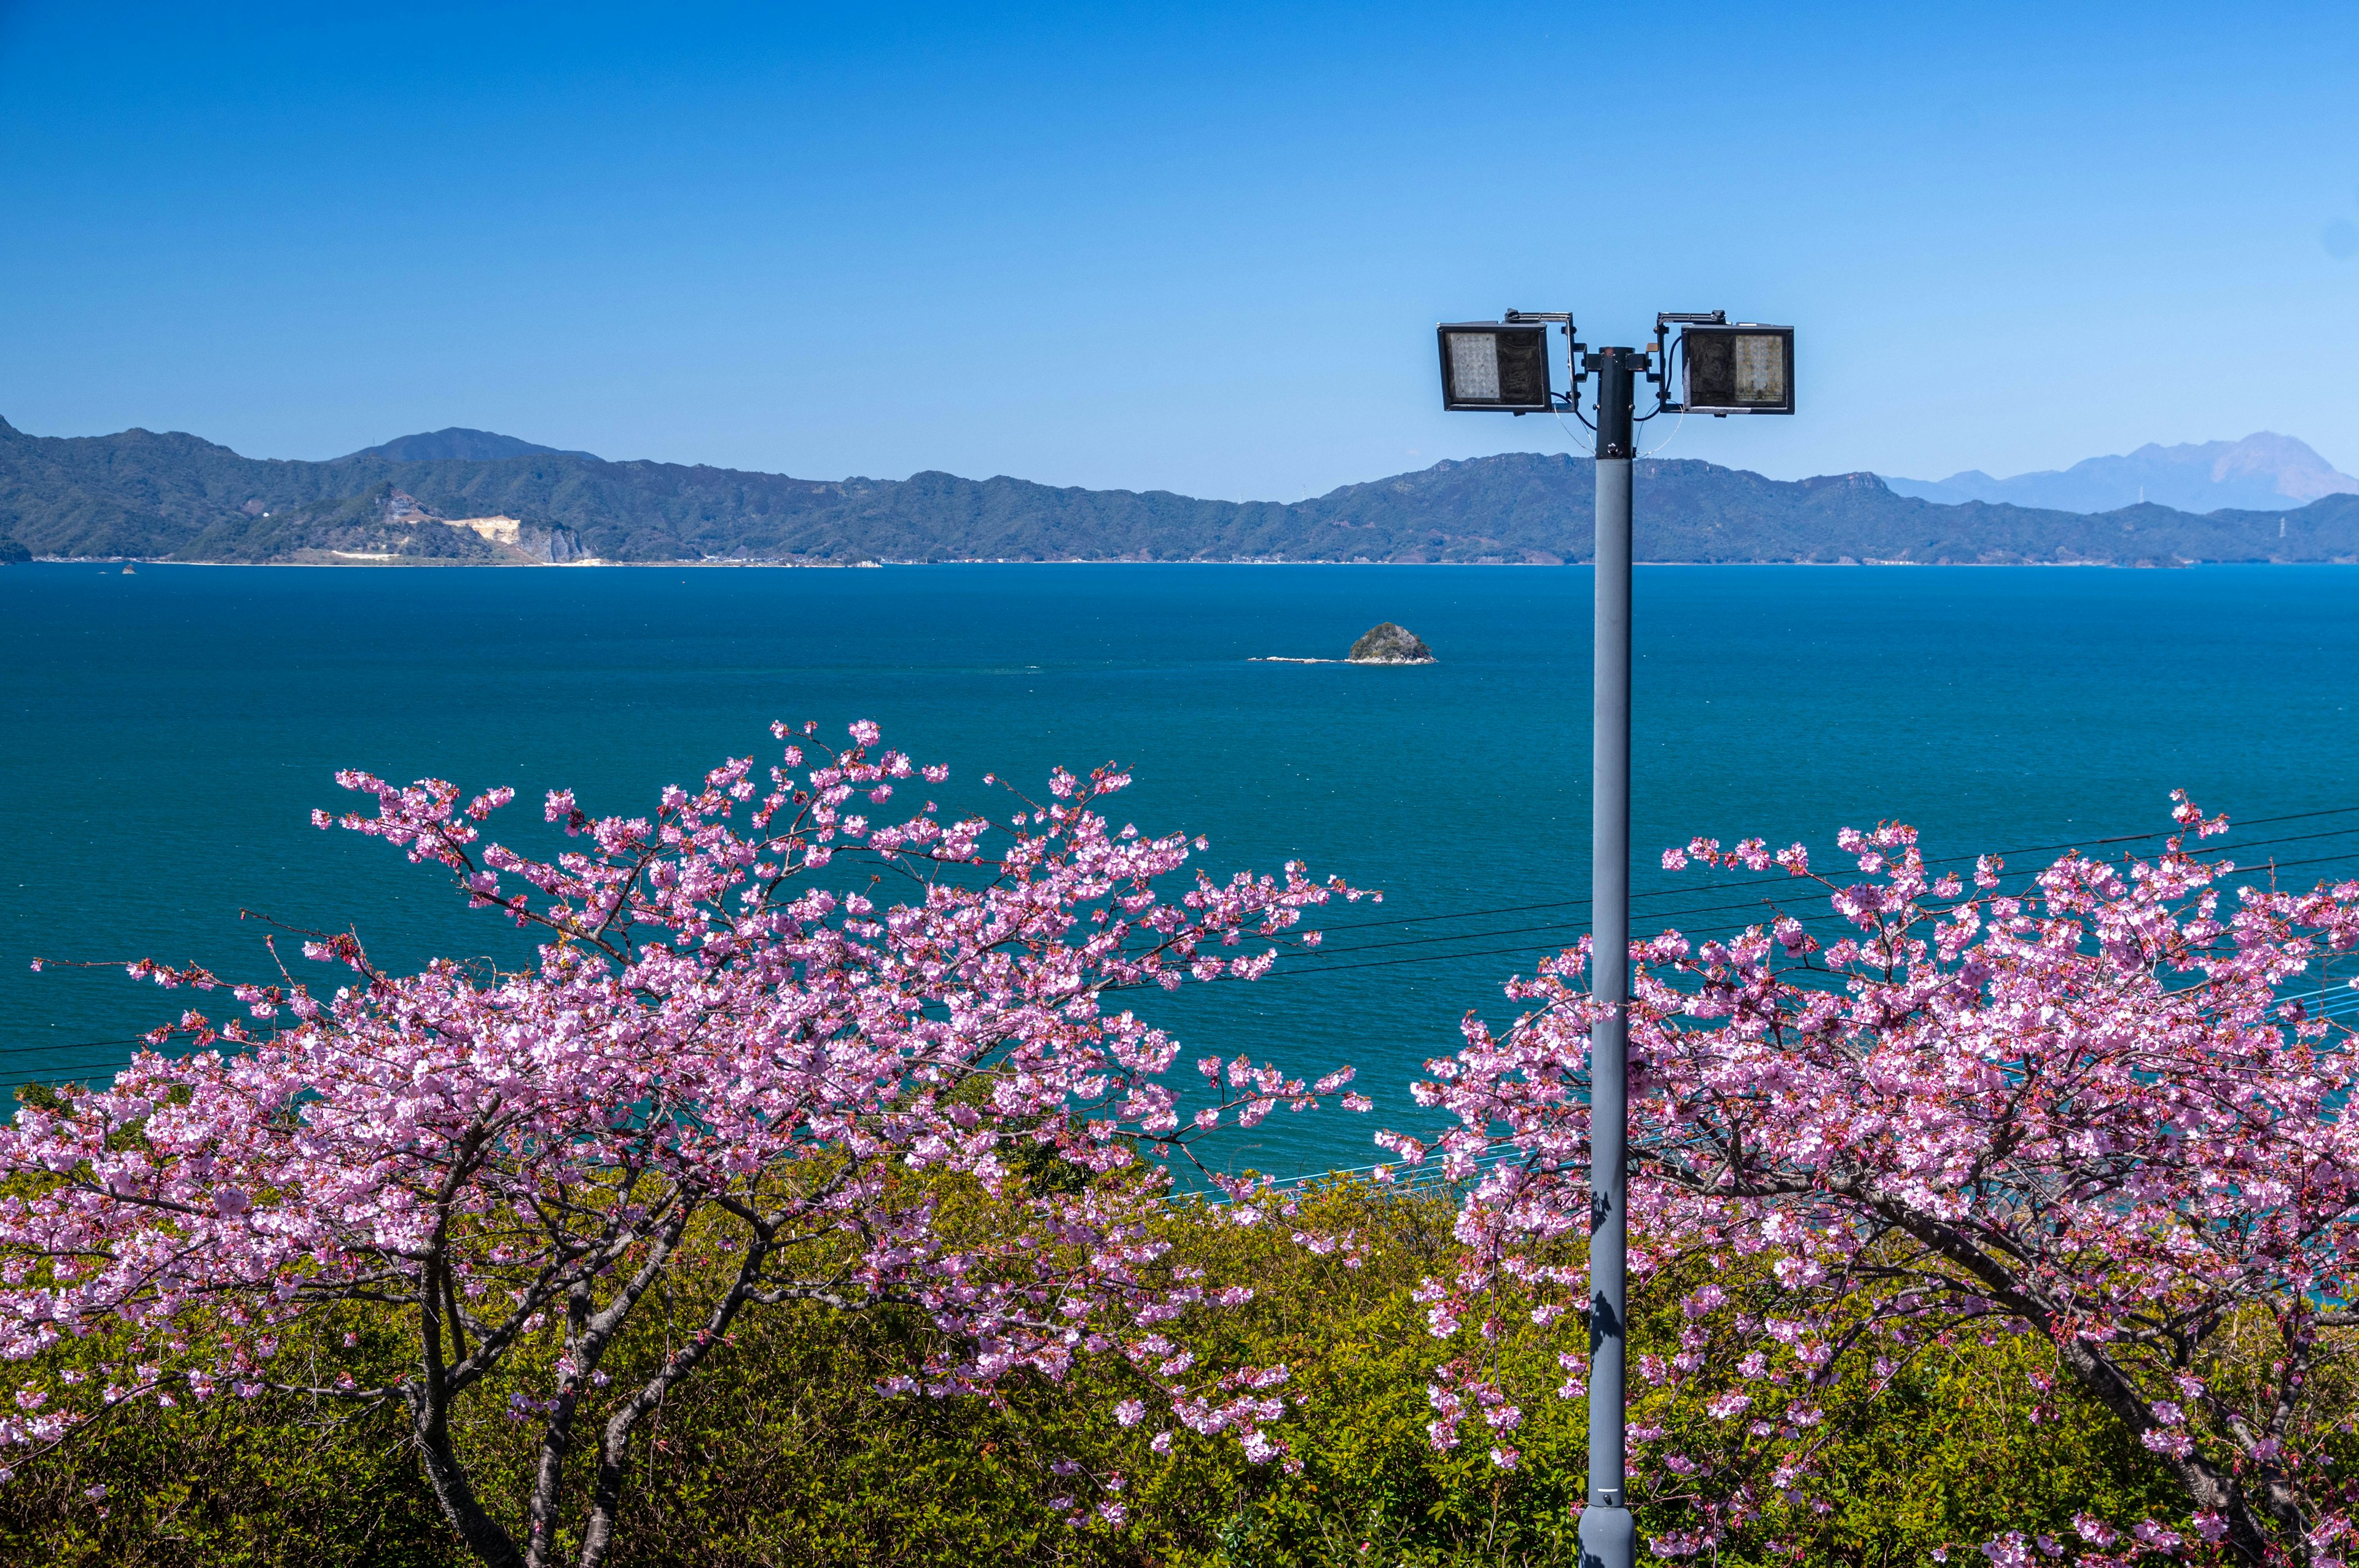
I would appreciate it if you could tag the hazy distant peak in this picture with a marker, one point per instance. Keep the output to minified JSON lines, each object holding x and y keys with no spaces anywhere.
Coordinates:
{"x":2263,"y":472}
{"x":458,"y":445}
{"x":2299,"y":473}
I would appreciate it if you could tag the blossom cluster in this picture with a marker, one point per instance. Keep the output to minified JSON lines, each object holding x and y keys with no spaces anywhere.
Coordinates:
{"x":2096,"y":1110}
{"x":764,"y":1013}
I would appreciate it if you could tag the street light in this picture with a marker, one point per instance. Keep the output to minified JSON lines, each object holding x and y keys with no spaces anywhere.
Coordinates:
{"x":1737,"y":368}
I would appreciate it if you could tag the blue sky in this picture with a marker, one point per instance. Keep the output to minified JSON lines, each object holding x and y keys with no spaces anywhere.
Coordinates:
{"x":1193,"y":247}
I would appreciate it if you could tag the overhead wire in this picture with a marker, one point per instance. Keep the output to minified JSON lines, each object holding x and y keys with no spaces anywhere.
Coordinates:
{"x":1803,"y":918}
{"x":1312,"y":963}
{"x":1935,"y":860}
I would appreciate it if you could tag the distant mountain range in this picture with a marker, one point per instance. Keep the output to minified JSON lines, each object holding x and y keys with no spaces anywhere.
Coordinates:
{"x":2263,"y":472}
{"x":458,"y":445}
{"x":176,"y":497}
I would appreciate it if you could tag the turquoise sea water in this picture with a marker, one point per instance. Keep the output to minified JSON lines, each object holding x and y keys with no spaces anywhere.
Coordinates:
{"x":168,"y":733}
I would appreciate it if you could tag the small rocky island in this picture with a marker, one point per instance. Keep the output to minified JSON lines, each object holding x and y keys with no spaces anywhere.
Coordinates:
{"x":1386,"y":643}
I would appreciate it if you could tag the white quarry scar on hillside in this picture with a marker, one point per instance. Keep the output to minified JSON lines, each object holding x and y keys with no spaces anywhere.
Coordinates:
{"x":498,"y":530}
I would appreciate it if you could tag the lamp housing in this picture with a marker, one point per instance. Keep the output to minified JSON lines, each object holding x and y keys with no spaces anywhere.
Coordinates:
{"x":1498,"y":366}
{"x":1740,"y":368}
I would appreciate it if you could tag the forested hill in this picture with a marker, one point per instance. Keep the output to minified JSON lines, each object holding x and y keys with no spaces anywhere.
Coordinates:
{"x":179,"y":497}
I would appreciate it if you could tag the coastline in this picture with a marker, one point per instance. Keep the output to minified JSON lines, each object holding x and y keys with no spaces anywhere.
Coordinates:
{"x":1116,"y":561}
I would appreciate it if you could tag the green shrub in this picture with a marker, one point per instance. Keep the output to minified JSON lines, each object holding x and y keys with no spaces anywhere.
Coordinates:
{"x":785,"y":1450}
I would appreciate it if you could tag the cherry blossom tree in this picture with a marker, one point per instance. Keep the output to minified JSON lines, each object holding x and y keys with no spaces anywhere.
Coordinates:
{"x":760,"y":1029}
{"x":2105,"y":1109}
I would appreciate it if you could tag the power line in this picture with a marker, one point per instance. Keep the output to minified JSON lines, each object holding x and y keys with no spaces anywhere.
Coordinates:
{"x":1941,"y":861}
{"x":1316,"y":966}
{"x":2336,"y":998}
{"x":1530,"y":947}
{"x":76,"y":1044}
{"x":1807,"y":918}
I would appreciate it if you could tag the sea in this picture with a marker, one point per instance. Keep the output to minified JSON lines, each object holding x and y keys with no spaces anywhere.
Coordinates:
{"x":168,"y":732}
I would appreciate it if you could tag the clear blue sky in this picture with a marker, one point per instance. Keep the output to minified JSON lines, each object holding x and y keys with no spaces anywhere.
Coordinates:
{"x":1198,"y":247}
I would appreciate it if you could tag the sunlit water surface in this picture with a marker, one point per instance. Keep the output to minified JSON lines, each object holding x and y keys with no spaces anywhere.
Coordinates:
{"x":168,"y":732}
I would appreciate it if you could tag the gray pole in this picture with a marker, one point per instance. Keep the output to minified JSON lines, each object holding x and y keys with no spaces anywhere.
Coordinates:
{"x":1608,"y":1537}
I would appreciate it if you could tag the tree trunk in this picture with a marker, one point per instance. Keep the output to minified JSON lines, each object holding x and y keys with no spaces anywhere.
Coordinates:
{"x":2207,"y":1485}
{"x":481,"y":1533}
{"x":613,"y":1447}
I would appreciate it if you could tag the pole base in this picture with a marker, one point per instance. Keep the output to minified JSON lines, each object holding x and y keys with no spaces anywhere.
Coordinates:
{"x":1609,"y":1539}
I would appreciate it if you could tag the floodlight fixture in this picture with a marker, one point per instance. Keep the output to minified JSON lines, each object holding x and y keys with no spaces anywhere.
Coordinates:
{"x":1739,"y":367}
{"x":1496,"y":366}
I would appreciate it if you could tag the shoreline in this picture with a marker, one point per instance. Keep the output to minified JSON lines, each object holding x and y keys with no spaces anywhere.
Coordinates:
{"x":1240,"y":561}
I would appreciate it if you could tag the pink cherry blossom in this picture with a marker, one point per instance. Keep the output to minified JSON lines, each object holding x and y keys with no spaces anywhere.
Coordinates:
{"x":2106,"y":1109}
{"x":717,"y":1046}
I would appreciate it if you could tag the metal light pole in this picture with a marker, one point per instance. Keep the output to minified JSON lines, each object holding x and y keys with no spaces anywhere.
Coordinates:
{"x":1740,"y":369}
{"x":1608,"y":1539}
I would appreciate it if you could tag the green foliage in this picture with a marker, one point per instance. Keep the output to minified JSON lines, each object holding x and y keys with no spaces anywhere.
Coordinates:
{"x":786,"y":1450}
{"x":275,"y":1482}
{"x":1963,"y":1448}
